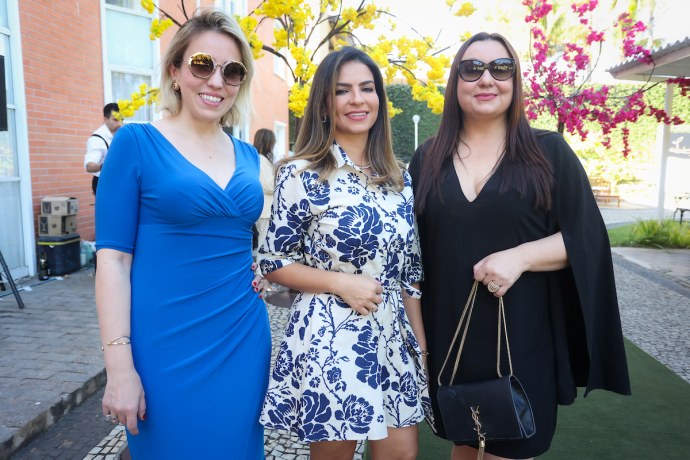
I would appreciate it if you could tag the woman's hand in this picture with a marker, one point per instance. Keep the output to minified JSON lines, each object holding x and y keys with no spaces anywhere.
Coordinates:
{"x":502,"y":269}
{"x":360,"y":292}
{"x":259,"y":283}
{"x":123,"y":399}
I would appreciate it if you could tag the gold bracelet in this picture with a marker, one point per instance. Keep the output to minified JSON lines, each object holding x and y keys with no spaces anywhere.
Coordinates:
{"x":120,"y":340}
{"x":424,"y":353}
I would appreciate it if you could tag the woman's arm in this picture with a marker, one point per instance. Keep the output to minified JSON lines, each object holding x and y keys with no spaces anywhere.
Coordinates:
{"x":124,"y":394}
{"x":362,"y":293}
{"x":505,"y":267}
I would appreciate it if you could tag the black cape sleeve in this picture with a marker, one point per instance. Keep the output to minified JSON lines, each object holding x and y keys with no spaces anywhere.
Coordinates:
{"x":583,"y":296}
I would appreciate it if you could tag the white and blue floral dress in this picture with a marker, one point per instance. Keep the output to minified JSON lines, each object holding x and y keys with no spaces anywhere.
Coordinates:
{"x":340,"y":375}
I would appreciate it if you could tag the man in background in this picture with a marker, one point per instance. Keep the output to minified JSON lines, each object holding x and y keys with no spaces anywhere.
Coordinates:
{"x":98,"y":143}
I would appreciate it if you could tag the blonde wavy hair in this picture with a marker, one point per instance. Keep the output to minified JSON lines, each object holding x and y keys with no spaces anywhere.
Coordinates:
{"x":207,"y":20}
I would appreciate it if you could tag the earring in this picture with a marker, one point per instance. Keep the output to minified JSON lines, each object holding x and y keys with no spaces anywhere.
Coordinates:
{"x":324,"y":119}
{"x":175,"y":86}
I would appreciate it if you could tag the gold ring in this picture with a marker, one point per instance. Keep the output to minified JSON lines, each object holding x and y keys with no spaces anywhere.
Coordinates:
{"x":492,"y":287}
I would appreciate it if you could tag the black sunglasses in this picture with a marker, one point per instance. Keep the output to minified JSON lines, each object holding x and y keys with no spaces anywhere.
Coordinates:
{"x":500,"y":69}
{"x":202,"y":65}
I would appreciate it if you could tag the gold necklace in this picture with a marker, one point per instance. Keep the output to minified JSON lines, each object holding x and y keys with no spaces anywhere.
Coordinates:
{"x":366,"y":166}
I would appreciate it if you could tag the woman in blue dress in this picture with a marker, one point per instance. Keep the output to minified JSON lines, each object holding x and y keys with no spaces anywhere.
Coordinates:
{"x":186,"y":338}
{"x":342,"y":233}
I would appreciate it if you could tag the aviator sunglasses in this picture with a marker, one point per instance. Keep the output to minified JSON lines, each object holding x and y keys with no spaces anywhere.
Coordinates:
{"x":202,"y":65}
{"x":500,"y":69}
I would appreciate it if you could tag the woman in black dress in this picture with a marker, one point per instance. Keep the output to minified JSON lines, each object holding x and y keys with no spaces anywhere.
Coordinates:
{"x":511,"y":207}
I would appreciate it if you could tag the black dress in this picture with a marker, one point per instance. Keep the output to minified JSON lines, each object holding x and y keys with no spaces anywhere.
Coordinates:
{"x":546,"y":322}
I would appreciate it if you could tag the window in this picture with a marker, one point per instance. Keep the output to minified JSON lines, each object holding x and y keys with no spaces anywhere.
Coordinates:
{"x":129,"y":51}
{"x":236,"y":7}
{"x":129,"y":4}
{"x":280,"y":130}
{"x":4,"y":20}
{"x":15,"y":198}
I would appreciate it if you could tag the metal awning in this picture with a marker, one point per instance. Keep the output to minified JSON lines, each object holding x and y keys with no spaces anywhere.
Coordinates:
{"x":670,"y":61}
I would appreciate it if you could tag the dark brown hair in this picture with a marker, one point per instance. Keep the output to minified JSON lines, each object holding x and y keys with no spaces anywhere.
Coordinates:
{"x":524,"y":165}
{"x":264,"y":141}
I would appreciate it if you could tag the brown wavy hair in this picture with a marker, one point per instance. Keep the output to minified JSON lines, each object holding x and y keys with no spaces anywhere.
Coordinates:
{"x":524,"y":166}
{"x":317,"y":133}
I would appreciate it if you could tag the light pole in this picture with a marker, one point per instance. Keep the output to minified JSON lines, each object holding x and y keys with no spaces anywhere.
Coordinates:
{"x":415,"y":119}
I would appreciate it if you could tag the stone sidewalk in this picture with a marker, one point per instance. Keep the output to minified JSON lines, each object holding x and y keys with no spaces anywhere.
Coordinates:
{"x":50,"y":362}
{"x":50,"y":358}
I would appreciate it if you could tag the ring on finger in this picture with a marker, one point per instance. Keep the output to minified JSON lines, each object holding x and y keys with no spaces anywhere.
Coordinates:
{"x":492,"y":287}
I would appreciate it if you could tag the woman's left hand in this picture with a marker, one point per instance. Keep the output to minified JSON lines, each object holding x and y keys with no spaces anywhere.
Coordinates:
{"x":502,"y":269}
{"x":259,"y":283}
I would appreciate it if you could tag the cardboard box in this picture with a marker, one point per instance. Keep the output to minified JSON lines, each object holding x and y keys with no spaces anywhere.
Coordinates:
{"x":62,"y":253}
{"x":59,"y":205}
{"x":57,"y":225}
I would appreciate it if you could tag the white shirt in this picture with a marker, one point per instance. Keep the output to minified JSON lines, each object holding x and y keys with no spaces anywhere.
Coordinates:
{"x":267,"y":178}
{"x":96,"y":150}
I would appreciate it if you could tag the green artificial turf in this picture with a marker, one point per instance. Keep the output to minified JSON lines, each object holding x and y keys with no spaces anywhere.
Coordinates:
{"x":653,"y":423}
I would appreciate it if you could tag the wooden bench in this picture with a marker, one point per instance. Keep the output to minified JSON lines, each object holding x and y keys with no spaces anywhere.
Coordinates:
{"x":601,"y":188}
{"x":682,"y":205}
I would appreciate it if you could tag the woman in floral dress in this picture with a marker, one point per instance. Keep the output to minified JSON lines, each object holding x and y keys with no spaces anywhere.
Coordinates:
{"x":342,"y":233}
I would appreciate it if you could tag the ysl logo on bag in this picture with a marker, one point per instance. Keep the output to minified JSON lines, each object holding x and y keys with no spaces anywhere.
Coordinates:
{"x":481,"y":437}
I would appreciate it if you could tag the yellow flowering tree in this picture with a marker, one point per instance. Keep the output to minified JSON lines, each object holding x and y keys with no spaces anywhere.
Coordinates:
{"x":307,"y":30}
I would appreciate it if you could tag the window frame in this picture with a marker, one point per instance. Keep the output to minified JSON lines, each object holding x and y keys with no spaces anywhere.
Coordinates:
{"x":153,"y":73}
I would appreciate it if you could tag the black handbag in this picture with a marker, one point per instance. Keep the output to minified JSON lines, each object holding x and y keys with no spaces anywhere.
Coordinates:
{"x":490,"y":410}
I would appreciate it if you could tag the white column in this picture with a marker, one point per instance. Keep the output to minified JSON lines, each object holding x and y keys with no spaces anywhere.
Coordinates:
{"x":665,"y":146}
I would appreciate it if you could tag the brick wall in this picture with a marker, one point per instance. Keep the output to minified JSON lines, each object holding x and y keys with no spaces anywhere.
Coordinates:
{"x":269,"y":91}
{"x":63,"y":73}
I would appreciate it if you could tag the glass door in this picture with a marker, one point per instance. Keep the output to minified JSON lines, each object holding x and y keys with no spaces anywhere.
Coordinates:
{"x":12,"y":232}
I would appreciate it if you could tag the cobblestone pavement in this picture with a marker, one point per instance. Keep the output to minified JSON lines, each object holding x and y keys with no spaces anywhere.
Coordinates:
{"x":280,"y":445}
{"x":655,"y":314}
{"x":50,"y":360}
{"x":84,"y":434}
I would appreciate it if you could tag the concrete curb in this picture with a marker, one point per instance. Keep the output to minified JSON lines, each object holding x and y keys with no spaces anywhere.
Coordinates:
{"x":50,"y":415}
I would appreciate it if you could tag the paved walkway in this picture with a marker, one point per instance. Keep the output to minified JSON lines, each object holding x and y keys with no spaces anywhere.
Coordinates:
{"x":50,"y":359}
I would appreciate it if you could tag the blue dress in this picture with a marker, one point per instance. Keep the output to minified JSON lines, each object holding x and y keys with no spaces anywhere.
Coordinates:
{"x":339,"y":375}
{"x":200,"y":334}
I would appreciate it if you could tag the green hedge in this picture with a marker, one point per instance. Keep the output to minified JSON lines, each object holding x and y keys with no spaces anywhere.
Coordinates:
{"x":402,"y":124}
{"x":642,"y":134}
